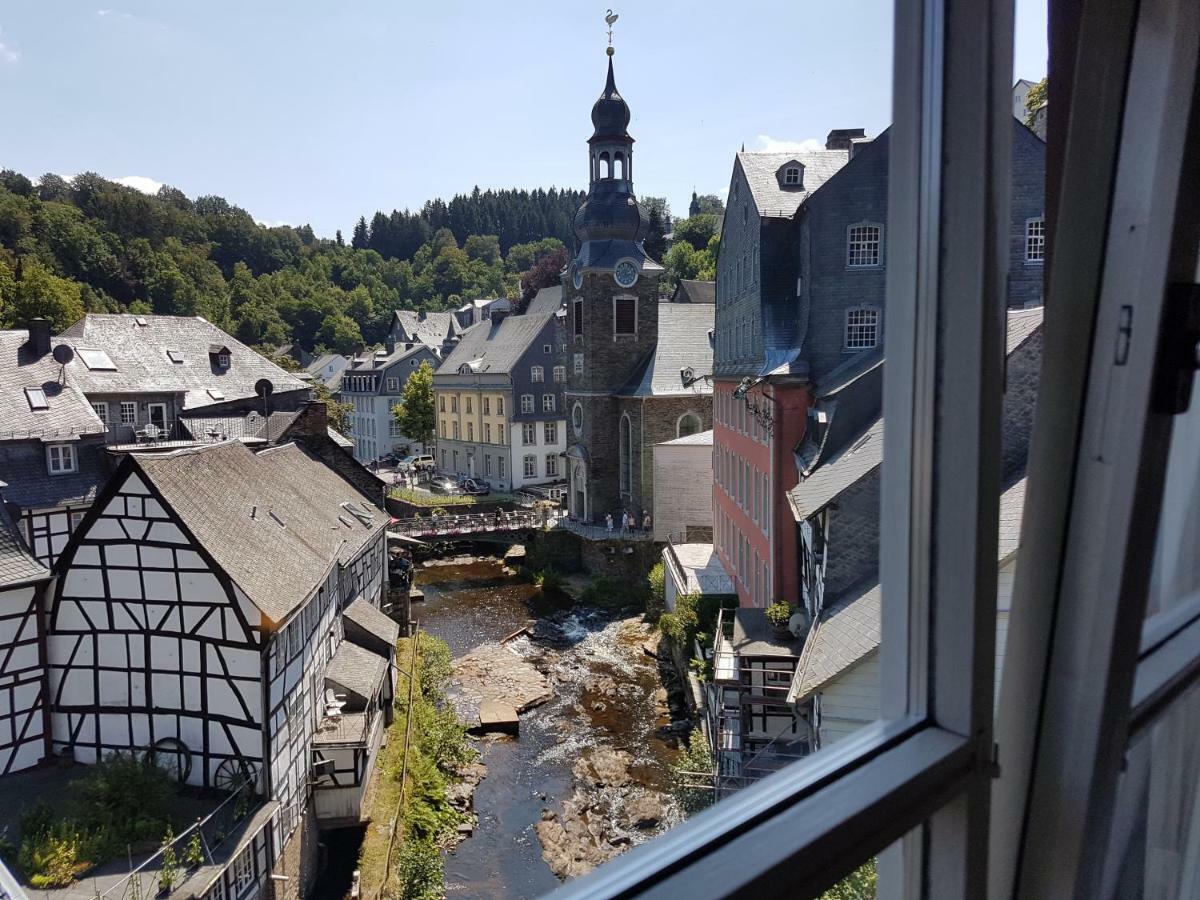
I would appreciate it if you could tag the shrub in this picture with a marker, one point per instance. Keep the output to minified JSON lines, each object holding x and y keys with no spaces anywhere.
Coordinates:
{"x":608,"y":592}
{"x":549,"y":580}
{"x":53,"y":852}
{"x":858,"y":885}
{"x":193,"y":855}
{"x":125,"y":799}
{"x":778,"y":614}
{"x":419,"y":871}
{"x":168,"y":867}
{"x":690,"y":772}
{"x":656,"y":581}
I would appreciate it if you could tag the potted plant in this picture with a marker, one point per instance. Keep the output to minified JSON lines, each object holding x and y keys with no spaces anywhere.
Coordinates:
{"x":193,"y":854}
{"x":168,"y":870}
{"x":779,"y":614}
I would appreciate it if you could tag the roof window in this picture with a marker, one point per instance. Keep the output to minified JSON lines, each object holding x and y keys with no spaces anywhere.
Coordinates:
{"x":216,"y":394}
{"x":176,"y":356}
{"x":140,"y":320}
{"x":96,"y":360}
{"x":37,"y":398}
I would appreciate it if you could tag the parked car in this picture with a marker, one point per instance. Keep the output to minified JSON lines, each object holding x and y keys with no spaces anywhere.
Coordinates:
{"x":475,"y":488}
{"x":416,"y":462}
{"x":443,"y":484}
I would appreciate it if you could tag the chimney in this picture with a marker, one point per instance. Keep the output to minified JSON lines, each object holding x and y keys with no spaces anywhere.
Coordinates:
{"x":390,"y":345}
{"x":842,"y":138}
{"x":39,"y":337}
{"x":313,"y":421}
{"x":422,"y":314}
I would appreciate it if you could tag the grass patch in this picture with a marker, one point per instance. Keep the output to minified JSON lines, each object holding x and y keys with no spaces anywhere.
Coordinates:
{"x":438,"y":748}
{"x":427,"y":500}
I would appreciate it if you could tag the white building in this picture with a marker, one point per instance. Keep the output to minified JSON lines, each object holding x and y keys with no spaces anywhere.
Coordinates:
{"x":373,"y":384}
{"x":683,"y":496}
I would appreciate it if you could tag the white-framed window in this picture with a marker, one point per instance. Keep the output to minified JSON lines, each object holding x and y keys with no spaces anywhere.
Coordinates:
{"x":791,"y":175}
{"x":128,"y":412}
{"x":243,"y":871}
{"x":442,"y":403}
{"x":443,"y":458}
{"x":1035,"y":240}
{"x":487,"y":406}
{"x":499,"y":406}
{"x":101,"y":408}
{"x":393,"y":384}
{"x":527,"y":403}
{"x":530,"y":466}
{"x":499,"y":466}
{"x":547,"y":348}
{"x":529,"y":433}
{"x":551,"y":465}
{"x":456,"y":430}
{"x":487,"y":465}
{"x":454,"y":403}
{"x":223,"y":360}
{"x":547,"y":403}
{"x":499,"y":434}
{"x":862,"y":328}
{"x":624,"y":316}
{"x":60,"y":459}
{"x":560,"y":374}
{"x":471,"y":431}
{"x":537,"y":374}
{"x":863,"y":244}
{"x":550,"y":433}
{"x":487,"y":432}
{"x":578,"y":361}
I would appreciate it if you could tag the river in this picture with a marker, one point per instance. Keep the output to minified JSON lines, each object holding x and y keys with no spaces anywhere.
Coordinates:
{"x":473,"y":604}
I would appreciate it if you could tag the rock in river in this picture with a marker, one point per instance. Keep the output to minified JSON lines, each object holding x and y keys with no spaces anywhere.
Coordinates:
{"x":602,"y":767}
{"x":645,"y":811}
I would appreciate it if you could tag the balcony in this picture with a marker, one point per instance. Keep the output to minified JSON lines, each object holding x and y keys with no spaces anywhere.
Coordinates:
{"x":344,"y":748}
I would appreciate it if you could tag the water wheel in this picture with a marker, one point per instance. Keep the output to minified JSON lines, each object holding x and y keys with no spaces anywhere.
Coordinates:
{"x":173,"y":757}
{"x":233,"y":774}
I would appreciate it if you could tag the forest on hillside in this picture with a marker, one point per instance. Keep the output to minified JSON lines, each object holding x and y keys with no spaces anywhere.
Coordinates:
{"x":92,"y":245}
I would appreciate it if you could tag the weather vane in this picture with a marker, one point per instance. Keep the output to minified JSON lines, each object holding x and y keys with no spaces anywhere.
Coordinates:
{"x":610,"y":17}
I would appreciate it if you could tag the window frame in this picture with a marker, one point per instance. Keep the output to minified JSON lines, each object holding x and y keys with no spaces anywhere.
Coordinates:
{"x":537,"y":374}
{"x":67,"y":462}
{"x":1039,"y":240}
{"x":548,"y":403}
{"x":526,"y":403}
{"x":860,"y":245}
{"x":624,"y":298}
{"x":528,"y":434}
{"x":100,"y":407}
{"x":858,"y":328}
{"x":130,"y":407}
{"x":529,"y":465}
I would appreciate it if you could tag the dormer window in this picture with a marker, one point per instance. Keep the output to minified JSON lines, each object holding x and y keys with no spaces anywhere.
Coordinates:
{"x":464,"y":369}
{"x":791,"y":175}
{"x":219,"y":355}
{"x":223,"y":360}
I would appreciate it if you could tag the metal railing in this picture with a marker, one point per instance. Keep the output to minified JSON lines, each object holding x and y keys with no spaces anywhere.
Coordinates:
{"x":452,"y":525}
{"x":602,"y":532}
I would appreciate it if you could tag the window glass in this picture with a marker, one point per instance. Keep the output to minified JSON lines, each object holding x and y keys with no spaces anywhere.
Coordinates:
{"x":863,"y":245}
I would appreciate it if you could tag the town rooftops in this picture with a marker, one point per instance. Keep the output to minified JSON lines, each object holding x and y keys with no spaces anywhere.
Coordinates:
{"x":17,"y":565}
{"x":547,"y":300}
{"x":682,"y":361}
{"x":699,"y":439}
{"x":274,"y":521}
{"x":35,"y":400}
{"x":773,"y":198}
{"x":377,"y":361}
{"x":356,"y":669}
{"x":430,"y":328}
{"x":127,"y":354}
{"x":495,"y":347}
{"x":690,"y":291}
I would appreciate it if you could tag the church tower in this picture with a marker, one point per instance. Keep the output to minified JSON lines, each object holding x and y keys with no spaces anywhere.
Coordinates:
{"x":612,"y":290}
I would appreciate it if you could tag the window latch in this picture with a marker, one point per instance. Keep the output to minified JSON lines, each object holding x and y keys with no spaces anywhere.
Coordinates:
{"x":1178,"y":350}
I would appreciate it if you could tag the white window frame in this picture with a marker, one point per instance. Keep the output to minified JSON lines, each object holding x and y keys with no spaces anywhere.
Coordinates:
{"x":791,"y":176}
{"x":101,"y":409}
{"x":393,"y":384}
{"x":551,"y":465}
{"x":864,"y":245}
{"x":61,"y":459}
{"x":527,"y":403}
{"x":529,"y":465}
{"x":548,"y":403}
{"x":861,"y":322}
{"x":487,"y":406}
{"x":560,"y":374}
{"x":550,"y":433}
{"x":129,"y":412}
{"x":223,"y":360}
{"x":1035,"y":240}
{"x":529,"y":434}
{"x":537,"y":374}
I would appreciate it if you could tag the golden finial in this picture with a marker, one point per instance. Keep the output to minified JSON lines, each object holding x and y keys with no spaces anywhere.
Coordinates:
{"x":610,"y":17}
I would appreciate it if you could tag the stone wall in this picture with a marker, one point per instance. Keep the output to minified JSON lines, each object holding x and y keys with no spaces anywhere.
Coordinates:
{"x":298,"y":860}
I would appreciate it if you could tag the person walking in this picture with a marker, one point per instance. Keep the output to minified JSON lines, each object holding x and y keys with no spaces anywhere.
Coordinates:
{"x":646,"y":522}
{"x":608,"y":522}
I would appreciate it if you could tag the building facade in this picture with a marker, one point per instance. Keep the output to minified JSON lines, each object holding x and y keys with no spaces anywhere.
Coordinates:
{"x":373,"y":384}
{"x":499,"y":403}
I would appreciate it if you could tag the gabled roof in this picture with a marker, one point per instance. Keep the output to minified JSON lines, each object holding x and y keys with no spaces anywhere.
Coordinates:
{"x":17,"y":565}
{"x":67,"y":413}
{"x":356,"y":669}
{"x":30,"y":486}
{"x":378,"y":362}
{"x":547,"y":300}
{"x":142,"y":365}
{"x":691,"y":291}
{"x":684,"y":342}
{"x":274,"y":521}
{"x":431,"y":330}
{"x":770,"y":197}
{"x":493,"y":347}
{"x":373,"y":620}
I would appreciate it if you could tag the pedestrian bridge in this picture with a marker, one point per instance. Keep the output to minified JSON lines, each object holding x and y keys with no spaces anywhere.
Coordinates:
{"x":502,"y":524}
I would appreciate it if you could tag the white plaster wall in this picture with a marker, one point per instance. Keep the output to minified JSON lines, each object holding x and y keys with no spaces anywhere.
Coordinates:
{"x":683,"y":488}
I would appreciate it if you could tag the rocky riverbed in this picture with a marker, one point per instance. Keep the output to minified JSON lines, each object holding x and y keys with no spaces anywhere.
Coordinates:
{"x":589,"y":775}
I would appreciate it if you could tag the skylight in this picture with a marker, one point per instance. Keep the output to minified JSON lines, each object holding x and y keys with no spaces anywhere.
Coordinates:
{"x":216,"y":394}
{"x":36,"y":397}
{"x":176,"y":356}
{"x":96,"y":360}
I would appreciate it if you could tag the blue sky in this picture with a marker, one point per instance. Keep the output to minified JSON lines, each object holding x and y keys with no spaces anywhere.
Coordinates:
{"x":320,"y":112}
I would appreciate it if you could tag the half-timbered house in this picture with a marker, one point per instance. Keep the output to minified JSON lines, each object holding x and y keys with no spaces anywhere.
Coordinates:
{"x":199,"y":613}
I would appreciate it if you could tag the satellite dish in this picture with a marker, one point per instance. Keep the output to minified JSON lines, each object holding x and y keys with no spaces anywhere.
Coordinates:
{"x":263,"y":387}
{"x":63,"y":354}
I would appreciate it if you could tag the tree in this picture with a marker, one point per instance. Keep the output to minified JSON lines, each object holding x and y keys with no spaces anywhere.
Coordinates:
{"x":337,"y":413}
{"x":1034,"y":99}
{"x":547,"y":272}
{"x":414,"y":414}
{"x":39,"y":292}
{"x":710,"y":204}
{"x":339,"y":333}
{"x":659,"y":214}
{"x":697,"y":231}
{"x":858,"y":885}
{"x":338,"y":239}
{"x":361,"y":237}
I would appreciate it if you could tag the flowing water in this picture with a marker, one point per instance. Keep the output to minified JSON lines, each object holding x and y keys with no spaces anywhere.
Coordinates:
{"x":476,"y":603}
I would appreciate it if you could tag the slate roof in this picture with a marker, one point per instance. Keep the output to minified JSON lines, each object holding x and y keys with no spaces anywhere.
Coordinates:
{"x":356,"y":669}
{"x":368,"y":618}
{"x":699,"y":439}
{"x":67,"y":414}
{"x":770,"y":199}
{"x":139,"y":353}
{"x":845,"y":634}
{"x":234,"y":426}
{"x":684,"y":341}
{"x":344,"y":442}
{"x":691,"y":291}
{"x":378,"y":362}
{"x":547,"y":300}
{"x":229,"y":498}
{"x":493,"y":348}
{"x":432,"y":330}
{"x":753,"y":635}
{"x":30,"y":486}
{"x":17,"y":565}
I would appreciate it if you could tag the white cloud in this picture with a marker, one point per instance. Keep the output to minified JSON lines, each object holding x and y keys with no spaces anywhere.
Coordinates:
{"x":7,"y":53}
{"x":140,"y":183}
{"x":773,"y":145}
{"x":103,"y":12}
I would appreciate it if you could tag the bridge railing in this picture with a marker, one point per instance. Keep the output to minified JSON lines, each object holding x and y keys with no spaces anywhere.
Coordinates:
{"x":451,"y":524}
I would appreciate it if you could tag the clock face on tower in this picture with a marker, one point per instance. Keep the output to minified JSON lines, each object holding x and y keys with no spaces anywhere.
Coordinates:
{"x":626,"y":273}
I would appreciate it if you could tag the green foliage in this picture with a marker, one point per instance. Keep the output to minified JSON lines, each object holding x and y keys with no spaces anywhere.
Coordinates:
{"x":193,"y":853}
{"x":1034,"y":99}
{"x":420,"y":871}
{"x":168,"y":863}
{"x":93,"y":244}
{"x":684,"y":261}
{"x":696,"y":231}
{"x":433,"y":657}
{"x":858,"y":885}
{"x":338,"y":414}
{"x":549,"y":580}
{"x":656,"y":582}
{"x":710,"y":204}
{"x":438,"y":502}
{"x":608,"y":592}
{"x":415,"y":414}
{"x":691,"y":774}
{"x":54,"y":857}
{"x":778,"y":614}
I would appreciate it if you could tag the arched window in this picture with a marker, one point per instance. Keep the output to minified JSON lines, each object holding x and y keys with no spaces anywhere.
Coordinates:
{"x":625,"y":451}
{"x":577,"y":419}
{"x":619,"y":164}
{"x":605,"y":165}
{"x":689,"y":423}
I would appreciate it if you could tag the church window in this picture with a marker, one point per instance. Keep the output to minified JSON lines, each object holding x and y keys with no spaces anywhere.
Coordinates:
{"x":625,"y":450}
{"x":624,"y":315}
{"x":862,"y":245}
{"x":578,"y":318}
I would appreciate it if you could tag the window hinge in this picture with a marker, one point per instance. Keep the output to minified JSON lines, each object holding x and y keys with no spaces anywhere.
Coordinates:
{"x":1178,"y":350}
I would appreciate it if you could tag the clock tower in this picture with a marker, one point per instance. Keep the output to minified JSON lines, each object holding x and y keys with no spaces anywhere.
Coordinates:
{"x":612,"y":292}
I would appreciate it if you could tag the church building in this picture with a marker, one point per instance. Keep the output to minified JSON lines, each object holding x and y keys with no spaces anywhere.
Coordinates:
{"x":638,"y":367}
